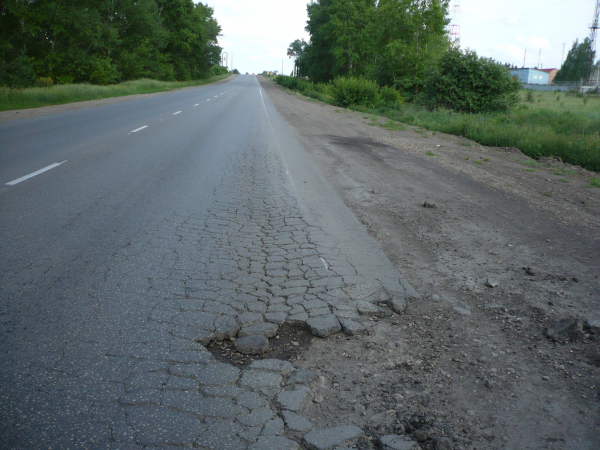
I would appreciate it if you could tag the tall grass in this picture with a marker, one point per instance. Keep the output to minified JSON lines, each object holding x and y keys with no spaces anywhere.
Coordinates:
{"x":68,"y":93}
{"x":568,"y":127}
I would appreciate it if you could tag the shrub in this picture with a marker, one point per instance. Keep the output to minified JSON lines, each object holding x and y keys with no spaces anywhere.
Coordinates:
{"x":219,"y":70}
{"x":390,"y":97}
{"x":45,"y":82}
{"x":355,"y":91}
{"x":235,"y":72}
{"x":464,"y":82}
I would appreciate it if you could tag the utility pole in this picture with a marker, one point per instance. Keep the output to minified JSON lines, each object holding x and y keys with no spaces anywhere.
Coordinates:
{"x":562,"y":57}
{"x":593,"y":30}
{"x":524,"y":57}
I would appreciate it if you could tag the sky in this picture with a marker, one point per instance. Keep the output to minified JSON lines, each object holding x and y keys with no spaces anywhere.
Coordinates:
{"x":257,"y":33}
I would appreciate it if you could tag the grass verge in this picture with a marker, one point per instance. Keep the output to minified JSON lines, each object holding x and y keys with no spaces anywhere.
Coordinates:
{"x":68,"y":93}
{"x":568,"y":127}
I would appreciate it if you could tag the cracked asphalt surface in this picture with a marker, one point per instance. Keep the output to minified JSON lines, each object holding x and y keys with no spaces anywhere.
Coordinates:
{"x":123,"y":264}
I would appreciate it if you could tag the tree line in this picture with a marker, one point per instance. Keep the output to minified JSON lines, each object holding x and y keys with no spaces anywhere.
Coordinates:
{"x":106,"y":41}
{"x":394,"y":42}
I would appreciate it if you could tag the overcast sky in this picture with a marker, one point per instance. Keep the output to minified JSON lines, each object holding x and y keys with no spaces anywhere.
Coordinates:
{"x":257,"y":32}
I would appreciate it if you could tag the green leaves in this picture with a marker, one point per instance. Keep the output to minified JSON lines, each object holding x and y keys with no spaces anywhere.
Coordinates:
{"x":464,"y":82}
{"x":106,"y":41}
{"x":575,"y":67}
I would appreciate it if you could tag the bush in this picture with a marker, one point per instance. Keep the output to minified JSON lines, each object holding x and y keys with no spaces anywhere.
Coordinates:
{"x":235,"y":72}
{"x":45,"y":82}
{"x":390,"y":97}
{"x":355,"y":91}
{"x":219,"y":70}
{"x":464,"y":82}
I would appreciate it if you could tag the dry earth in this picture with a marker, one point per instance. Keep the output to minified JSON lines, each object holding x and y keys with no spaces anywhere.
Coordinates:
{"x":468,"y":365}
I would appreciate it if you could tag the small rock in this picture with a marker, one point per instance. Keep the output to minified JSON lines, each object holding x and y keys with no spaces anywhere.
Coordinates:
{"x":462,"y":311}
{"x":489,"y":384}
{"x":330,"y":438}
{"x":545,"y":378}
{"x":324,"y":326}
{"x":352,"y":327}
{"x":531,"y":271}
{"x":561,"y":330}
{"x":491,"y":283}
{"x":318,"y":398}
{"x":429,"y":205}
{"x":252,"y":345}
{"x":395,"y":442}
{"x":360,"y":409}
{"x":376,"y":191}
{"x":435,"y":297}
{"x":397,"y":304}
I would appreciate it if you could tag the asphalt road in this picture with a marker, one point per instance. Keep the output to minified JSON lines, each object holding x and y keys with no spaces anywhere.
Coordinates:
{"x":160,"y":225}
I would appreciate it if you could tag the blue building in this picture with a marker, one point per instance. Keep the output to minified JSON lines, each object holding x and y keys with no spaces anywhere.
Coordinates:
{"x":530,"y":76}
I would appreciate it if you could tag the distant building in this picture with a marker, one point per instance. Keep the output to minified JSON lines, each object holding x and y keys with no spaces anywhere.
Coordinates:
{"x":530,"y":76}
{"x":551,"y":74}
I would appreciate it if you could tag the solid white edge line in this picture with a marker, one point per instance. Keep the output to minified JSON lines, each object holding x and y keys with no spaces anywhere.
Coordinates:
{"x":33,"y":174}
{"x":138,"y":129}
{"x":178,"y":112}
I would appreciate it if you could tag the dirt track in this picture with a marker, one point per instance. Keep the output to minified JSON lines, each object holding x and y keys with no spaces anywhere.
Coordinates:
{"x":468,"y":365}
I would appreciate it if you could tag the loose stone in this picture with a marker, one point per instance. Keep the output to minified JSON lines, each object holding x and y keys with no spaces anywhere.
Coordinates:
{"x":330,"y":438}
{"x":252,"y":345}
{"x":324,"y":326}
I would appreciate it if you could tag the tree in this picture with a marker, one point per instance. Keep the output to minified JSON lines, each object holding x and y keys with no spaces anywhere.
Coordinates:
{"x":464,"y":82}
{"x":410,"y":36}
{"x":576,"y":66}
{"x":297,"y":50}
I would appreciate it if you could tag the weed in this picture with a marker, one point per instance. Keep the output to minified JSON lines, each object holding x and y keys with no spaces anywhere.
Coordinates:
{"x":529,"y":97}
{"x":530,"y":170}
{"x":468,"y":158}
{"x":564,"y":181}
{"x":393,"y":126}
{"x":548,"y":194}
{"x":466,"y":144}
{"x":430,"y":154}
{"x":595,"y":182}
{"x":486,"y":159}
{"x":478,"y":162}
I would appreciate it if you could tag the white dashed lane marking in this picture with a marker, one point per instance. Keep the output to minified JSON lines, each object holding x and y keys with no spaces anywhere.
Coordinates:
{"x":33,"y":174}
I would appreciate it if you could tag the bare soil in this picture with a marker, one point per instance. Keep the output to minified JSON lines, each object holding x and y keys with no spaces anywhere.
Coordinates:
{"x":467,"y":366}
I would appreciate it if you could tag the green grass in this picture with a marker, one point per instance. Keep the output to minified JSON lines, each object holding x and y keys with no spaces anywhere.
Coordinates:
{"x":67,"y":93}
{"x":569,"y":128}
{"x":466,"y":144}
{"x":430,"y":154}
{"x":530,"y":170}
{"x":594,"y":182}
{"x":478,"y":162}
{"x":548,"y":194}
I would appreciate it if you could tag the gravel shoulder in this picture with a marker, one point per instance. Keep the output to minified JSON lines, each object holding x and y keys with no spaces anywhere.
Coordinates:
{"x":44,"y":110}
{"x":504,"y":247}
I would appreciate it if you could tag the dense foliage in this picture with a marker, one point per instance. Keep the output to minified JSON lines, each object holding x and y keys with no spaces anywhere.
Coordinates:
{"x":577,"y":64}
{"x":393,"y":42}
{"x":106,"y":41}
{"x":464,"y":82}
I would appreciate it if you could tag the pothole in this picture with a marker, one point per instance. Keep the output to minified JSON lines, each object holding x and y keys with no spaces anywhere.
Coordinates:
{"x":289,"y":343}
